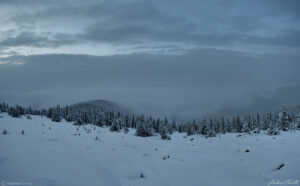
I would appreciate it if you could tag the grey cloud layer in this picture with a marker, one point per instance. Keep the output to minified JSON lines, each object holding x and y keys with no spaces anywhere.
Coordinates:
{"x":198,"y":83}
{"x":200,"y":23}
{"x":32,"y":39}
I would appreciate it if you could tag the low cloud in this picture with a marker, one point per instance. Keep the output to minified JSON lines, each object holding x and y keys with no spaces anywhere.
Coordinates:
{"x":194,"y":84}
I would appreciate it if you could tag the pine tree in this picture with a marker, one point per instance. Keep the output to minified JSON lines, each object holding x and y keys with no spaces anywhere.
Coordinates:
{"x":115,"y":126}
{"x":298,"y":121}
{"x":133,"y":124}
{"x":203,"y":129}
{"x":189,"y":129}
{"x":246,"y":127}
{"x":163,"y":132}
{"x":283,"y":119}
{"x":56,"y":115}
{"x":273,"y":128}
{"x":174,"y":127}
{"x":223,"y":128}
{"x":239,"y":125}
{"x":143,"y":130}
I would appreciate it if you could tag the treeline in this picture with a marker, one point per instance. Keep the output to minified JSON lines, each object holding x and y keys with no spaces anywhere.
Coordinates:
{"x":270,"y":123}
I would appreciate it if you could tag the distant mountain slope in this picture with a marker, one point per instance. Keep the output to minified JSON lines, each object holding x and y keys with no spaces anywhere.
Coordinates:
{"x":102,"y":105}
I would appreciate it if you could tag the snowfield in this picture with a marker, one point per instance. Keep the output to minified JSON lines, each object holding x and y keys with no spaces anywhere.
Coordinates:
{"x":50,"y":153}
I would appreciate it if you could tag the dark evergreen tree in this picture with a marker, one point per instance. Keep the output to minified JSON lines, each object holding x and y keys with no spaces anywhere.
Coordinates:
{"x":283,"y":119}
{"x":143,"y":130}
{"x":115,"y":126}
{"x":239,"y":125}
{"x":204,"y":127}
{"x":164,"y":132}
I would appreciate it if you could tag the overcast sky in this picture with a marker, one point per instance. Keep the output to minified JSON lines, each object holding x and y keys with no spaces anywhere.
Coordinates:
{"x":175,"y":57}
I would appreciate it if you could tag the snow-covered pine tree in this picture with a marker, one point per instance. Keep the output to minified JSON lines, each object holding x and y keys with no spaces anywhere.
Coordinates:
{"x":99,"y":120}
{"x":78,"y":121}
{"x":142,"y":130}
{"x":273,"y":128}
{"x":246,"y":127}
{"x":239,"y":124}
{"x":133,"y":124}
{"x":56,"y":114}
{"x":164,"y":132}
{"x":167,"y":125}
{"x":49,"y":113}
{"x":217,"y":126}
{"x":298,"y":120}
{"x":115,"y":126}
{"x":283,"y":118}
{"x":223,"y":126}
{"x":228,"y":126}
{"x":174,"y":126}
{"x":156,"y":125}
{"x":189,"y":129}
{"x":203,"y":127}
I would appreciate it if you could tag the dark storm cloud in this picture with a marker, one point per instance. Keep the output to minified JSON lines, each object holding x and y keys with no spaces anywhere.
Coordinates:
{"x":194,"y":84}
{"x":212,"y":23}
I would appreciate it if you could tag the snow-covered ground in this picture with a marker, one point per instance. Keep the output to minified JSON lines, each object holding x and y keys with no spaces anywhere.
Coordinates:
{"x":51,"y":154}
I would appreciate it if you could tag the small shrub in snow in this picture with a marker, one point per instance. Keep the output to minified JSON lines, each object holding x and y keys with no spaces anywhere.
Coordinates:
{"x":210,"y":133}
{"x":256,"y":131}
{"x":142,"y":175}
{"x":4,"y":131}
{"x":126,"y":130}
{"x":280,"y":166}
{"x":166,"y":157}
{"x":247,"y":150}
{"x":22,"y":132}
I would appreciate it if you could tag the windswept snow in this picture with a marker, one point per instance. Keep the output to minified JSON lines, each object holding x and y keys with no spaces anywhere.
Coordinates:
{"x":50,"y":153}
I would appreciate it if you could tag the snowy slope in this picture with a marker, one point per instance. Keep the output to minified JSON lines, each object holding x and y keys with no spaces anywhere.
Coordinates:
{"x":51,"y":154}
